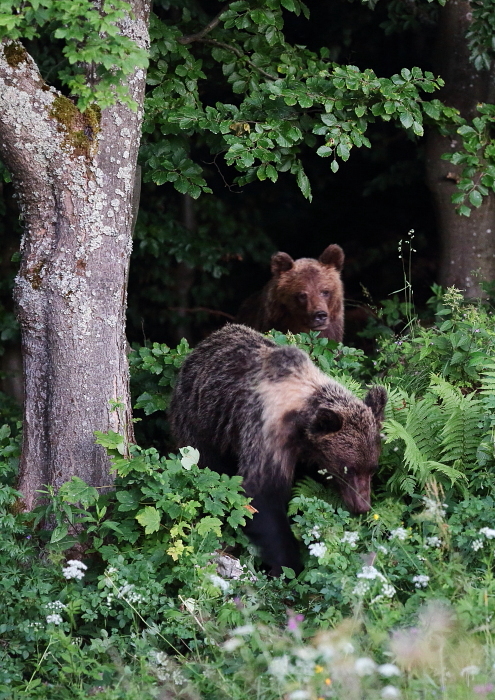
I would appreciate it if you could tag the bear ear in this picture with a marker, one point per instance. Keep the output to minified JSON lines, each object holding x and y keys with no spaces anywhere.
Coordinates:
{"x":376,"y":398}
{"x":333,"y":255}
{"x":325,"y":421}
{"x":281,"y":262}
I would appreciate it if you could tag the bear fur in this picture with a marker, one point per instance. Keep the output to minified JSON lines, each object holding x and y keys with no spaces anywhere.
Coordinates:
{"x":257,"y":409}
{"x":303,"y":295}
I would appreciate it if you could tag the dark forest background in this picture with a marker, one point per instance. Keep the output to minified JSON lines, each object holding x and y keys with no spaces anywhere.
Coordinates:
{"x":213,"y":252}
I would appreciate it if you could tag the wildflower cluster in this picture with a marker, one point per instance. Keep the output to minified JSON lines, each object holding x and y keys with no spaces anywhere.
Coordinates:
{"x":74,"y":569}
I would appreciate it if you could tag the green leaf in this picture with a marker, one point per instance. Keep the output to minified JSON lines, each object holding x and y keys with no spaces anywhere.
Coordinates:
{"x":111,"y":440}
{"x":149,"y":518}
{"x":209,"y":524}
{"x":304,"y":184}
{"x":59,"y":533}
{"x":475,"y":198}
{"x":406,"y":120}
{"x":77,"y":491}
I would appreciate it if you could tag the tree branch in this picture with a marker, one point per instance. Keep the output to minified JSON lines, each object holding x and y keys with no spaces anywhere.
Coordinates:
{"x":190,"y":38}
{"x":240,"y":54}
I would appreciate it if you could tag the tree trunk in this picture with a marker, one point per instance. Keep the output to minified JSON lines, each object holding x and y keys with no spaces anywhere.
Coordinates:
{"x":467,"y":255}
{"x":74,"y":179}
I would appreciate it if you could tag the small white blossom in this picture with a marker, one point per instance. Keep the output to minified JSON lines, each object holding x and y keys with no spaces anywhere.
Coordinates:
{"x":128,"y":593}
{"x":477,"y":544}
{"x":300,"y":695}
{"x":361,"y":588}
{"x":54,"y":619}
{"x":434,"y":509}
{"x":488,"y":532}
{"x":317,"y":549}
{"x":56,"y":605}
{"x":470,"y":670}
{"x":219,"y":582}
{"x":232,"y":644}
{"x":279,"y":666}
{"x":364,"y":666}
{"x":390,"y":692}
{"x":371,"y":573}
{"x":421,"y":580}
{"x":244,"y":629}
{"x":316,"y":532}
{"x":382,"y":549}
{"x":399,"y":533}
{"x":433,"y":541}
{"x":388,"y":590}
{"x":350,"y":538}
{"x":74,"y":569}
{"x":388,"y":670}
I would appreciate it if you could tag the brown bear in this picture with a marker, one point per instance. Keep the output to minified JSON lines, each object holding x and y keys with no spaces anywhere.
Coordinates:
{"x":303,"y":295}
{"x":257,"y":409}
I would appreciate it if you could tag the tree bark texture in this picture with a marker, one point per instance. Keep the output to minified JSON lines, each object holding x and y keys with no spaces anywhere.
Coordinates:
{"x":74,"y":179}
{"x":467,"y":255}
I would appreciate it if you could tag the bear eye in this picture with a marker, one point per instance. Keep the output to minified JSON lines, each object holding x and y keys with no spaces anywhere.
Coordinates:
{"x":325,"y":293}
{"x":302,"y":296}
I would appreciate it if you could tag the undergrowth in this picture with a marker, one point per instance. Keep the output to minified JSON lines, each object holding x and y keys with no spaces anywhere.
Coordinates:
{"x":152,"y":590}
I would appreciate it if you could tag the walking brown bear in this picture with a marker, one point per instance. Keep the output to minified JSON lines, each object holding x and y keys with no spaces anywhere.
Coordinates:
{"x":303,"y":295}
{"x":256,"y":409}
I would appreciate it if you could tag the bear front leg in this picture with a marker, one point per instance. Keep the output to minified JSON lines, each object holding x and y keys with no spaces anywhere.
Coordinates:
{"x":270,"y":530}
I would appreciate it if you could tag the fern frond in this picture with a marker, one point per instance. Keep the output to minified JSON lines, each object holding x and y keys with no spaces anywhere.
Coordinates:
{"x":309,"y":488}
{"x":398,"y":404}
{"x":462,"y":434}
{"x":351,"y":384}
{"x":424,"y":423}
{"x":453,"y":474}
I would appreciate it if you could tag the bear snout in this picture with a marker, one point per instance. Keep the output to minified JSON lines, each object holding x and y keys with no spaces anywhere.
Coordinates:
{"x":319,"y":318}
{"x":356,"y":494}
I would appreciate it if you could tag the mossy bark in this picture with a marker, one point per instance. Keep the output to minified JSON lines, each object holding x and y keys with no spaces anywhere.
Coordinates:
{"x":76,"y":201}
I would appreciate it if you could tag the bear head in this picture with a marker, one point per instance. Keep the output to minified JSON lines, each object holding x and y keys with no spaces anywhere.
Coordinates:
{"x":342,"y":439}
{"x":310,"y":291}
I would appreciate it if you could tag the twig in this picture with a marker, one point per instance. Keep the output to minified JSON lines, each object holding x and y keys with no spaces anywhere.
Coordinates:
{"x":188,"y":39}
{"x":239,"y":54}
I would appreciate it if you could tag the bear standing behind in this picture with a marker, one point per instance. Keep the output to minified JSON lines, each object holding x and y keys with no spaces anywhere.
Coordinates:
{"x":256,"y":409}
{"x":303,"y":295}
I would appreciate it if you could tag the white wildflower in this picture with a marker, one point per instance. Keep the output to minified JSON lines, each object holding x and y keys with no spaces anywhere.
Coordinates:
{"x":56,"y":605}
{"x":488,"y":532}
{"x":390,"y":692}
{"x":371,"y":573}
{"x":361,"y":588}
{"x":219,"y":582}
{"x":364,"y":666}
{"x":470,"y":670}
{"x":128,"y":593}
{"x":350,"y":538}
{"x":477,"y":544}
{"x":74,"y":569}
{"x":232,"y":644}
{"x":399,"y":533}
{"x":388,"y":590}
{"x":382,"y":549}
{"x":434,"y":509}
{"x":279,"y":666}
{"x":244,"y":629}
{"x":433,"y":541}
{"x":317,"y":549}
{"x":315,"y":532}
{"x":54,"y":619}
{"x":421,"y":580}
{"x":388,"y":670}
{"x":300,"y":695}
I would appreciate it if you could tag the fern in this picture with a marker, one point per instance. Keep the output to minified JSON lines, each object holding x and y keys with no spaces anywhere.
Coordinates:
{"x":309,"y":488}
